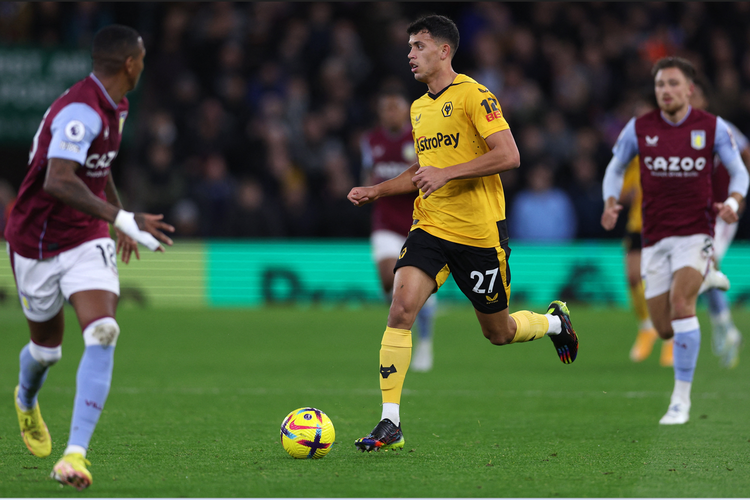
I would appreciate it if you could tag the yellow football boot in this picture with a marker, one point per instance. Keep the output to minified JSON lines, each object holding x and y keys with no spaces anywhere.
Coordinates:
{"x":666,"y":358}
{"x":33,"y":429}
{"x":71,"y":470}
{"x":644,"y":343}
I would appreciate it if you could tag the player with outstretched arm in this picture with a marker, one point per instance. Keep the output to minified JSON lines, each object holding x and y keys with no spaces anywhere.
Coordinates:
{"x":462,"y":142}
{"x":60,"y":248}
{"x":676,"y":144}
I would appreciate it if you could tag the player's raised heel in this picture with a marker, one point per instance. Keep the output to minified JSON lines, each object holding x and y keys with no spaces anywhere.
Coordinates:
{"x":385,"y":436}
{"x":71,"y":470}
{"x":33,"y":429}
{"x":566,"y":342}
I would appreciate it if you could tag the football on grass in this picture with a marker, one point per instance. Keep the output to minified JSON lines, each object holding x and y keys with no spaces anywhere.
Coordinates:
{"x":307,"y":433}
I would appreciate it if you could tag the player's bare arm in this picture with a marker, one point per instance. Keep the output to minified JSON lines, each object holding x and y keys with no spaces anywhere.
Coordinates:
{"x":611,"y":211}
{"x":727,"y":212}
{"x":401,"y":184}
{"x":503,"y":155}
{"x":62,"y":182}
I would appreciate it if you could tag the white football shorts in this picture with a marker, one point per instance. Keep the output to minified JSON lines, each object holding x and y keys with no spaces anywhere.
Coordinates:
{"x":660,"y":261}
{"x":45,"y":285}
{"x":723,"y":236}
{"x":386,"y":244}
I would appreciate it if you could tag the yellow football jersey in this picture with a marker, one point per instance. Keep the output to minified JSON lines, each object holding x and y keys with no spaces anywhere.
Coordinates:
{"x":631,"y":189}
{"x":450,"y":128}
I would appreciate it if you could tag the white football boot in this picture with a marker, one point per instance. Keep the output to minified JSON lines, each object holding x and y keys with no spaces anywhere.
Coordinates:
{"x":714,"y":279}
{"x":678,"y":412}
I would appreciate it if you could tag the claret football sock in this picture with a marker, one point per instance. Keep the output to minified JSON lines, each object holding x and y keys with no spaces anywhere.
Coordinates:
{"x":395,"y":356}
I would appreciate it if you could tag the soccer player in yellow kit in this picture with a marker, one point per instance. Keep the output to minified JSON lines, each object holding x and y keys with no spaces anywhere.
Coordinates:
{"x":647,"y":335}
{"x":462,"y":143}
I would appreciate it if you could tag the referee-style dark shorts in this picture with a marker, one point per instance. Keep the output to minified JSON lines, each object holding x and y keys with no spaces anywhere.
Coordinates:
{"x":632,"y":241}
{"x":482,"y":274}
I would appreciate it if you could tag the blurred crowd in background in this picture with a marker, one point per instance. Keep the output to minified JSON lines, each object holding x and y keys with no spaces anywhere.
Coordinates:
{"x":250,"y":114}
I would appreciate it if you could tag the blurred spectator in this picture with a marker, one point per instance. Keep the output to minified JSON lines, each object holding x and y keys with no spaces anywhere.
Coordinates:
{"x":531,"y":146}
{"x":310,"y":152}
{"x":487,"y":62}
{"x":185,"y":217}
{"x":559,"y":140}
{"x":521,"y":99}
{"x":214,"y":194}
{"x":339,"y":217}
{"x":161,"y":186}
{"x":87,"y":18}
{"x":301,"y":216}
{"x":346,"y":46}
{"x":48,"y":24}
{"x":542,"y":213}
{"x":253,"y":214}
{"x":588,"y":142}
{"x":211,"y":129}
{"x":571,"y":89}
{"x":585,"y":191}
{"x":16,"y":20}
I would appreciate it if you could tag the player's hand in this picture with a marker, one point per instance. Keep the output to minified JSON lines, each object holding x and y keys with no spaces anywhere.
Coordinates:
{"x":430,"y":179}
{"x":609,"y":216}
{"x":726,"y":212}
{"x":362,"y":195}
{"x":128,"y":245}
{"x":153,"y":224}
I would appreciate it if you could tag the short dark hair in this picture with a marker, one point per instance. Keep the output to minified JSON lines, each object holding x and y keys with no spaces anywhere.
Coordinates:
{"x":680,"y":63}
{"x":392,"y":91}
{"x":441,"y":28}
{"x":112,"y":45}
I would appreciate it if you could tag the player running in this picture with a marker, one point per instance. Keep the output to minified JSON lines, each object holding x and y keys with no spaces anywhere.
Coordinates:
{"x":676,"y":144}
{"x":60,"y":248}
{"x":387,"y":151}
{"x":726,"y":339}
{"x":462,"y":142}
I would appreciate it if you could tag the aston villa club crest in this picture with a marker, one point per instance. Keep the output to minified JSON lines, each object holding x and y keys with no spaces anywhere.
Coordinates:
{"x":123,"y":115}
{"x":698,"y":139}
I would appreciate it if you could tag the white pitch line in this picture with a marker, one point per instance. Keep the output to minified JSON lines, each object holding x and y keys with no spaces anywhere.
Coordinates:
{"x":269,"y":391}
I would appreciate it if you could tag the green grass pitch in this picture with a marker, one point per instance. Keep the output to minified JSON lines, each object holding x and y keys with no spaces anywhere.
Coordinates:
{"x":198,"y":397}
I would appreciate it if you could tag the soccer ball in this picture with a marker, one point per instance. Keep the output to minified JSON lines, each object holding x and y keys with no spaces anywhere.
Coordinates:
{"x":307,"y":433}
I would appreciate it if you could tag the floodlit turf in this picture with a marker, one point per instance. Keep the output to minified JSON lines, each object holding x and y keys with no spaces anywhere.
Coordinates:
{"x":198,"y":397}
